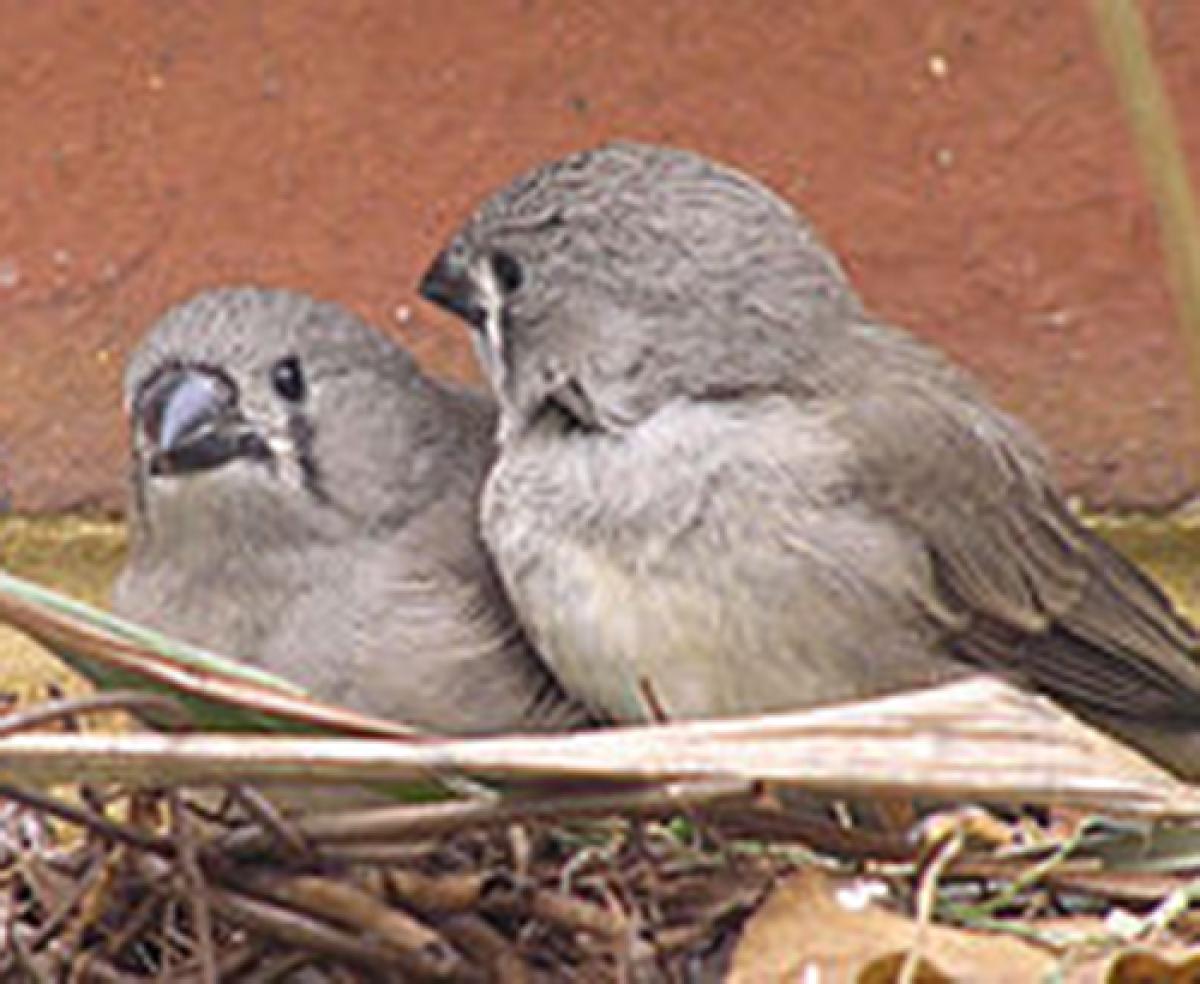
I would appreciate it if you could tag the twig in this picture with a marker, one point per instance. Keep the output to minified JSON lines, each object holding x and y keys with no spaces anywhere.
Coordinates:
{"x":234,"y":960}
{"x":1031,"y":875}
{"x":488,"y":948}
{"x":130,"y":701}
{"x":927,"y":902}
{"x":134,"y":925}
{"x":265,"y":814}
{"x":437,"y":894}
{"x":417,"y":946}
{"x":99,"y":824}
{"x":426,"y":820}
{"x":281,"y":967}
{"x":294,"y":929}
{"x":23,"y":958}
{"x":777,"y":821}
{"x":557,"y":908}
{"x":379,"y":854}
{"x":194,"y":880}
{"x":1170,"y":909}
{"x":59,"y":916}
{"x":90,"y":969}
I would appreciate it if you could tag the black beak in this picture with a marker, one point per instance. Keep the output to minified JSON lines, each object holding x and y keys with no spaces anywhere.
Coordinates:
{"x":191,"y":419}
{"x":448,"y":284}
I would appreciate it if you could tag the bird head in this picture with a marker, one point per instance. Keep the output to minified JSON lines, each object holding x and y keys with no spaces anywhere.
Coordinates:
{"x":600,"y":286}
{"x":251,"y":402}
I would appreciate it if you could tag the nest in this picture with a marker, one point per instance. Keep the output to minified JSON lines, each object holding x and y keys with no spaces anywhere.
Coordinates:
{"x":188,"y":890}
{"x":207,"y":886}
{"x":647,"y":854}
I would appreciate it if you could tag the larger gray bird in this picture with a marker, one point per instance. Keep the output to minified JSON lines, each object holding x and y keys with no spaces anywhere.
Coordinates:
{"x":303,"y":497}
{"x":725,"y":487}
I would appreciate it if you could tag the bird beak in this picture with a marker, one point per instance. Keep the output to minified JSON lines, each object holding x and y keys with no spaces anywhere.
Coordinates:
{"x":474,"y":297}
{"x":191,"y":420}
{"x":448,"y":284}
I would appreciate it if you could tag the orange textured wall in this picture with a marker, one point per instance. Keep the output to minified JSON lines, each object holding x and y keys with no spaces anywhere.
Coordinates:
{"x":969,"y":161}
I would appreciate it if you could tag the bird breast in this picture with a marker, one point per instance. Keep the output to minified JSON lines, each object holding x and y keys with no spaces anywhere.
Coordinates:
{"x":712,"y":560}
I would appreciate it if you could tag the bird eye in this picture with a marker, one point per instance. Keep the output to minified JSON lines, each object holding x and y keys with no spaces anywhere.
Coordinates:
{"x":288,"y":379}
{"x":510,"y":275}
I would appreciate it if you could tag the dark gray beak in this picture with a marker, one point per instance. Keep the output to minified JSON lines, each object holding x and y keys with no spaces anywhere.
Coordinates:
{"x":447,"y":283}
{"x":191,"y":419}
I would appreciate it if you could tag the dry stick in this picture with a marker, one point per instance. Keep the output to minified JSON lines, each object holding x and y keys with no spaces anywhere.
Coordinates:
{"x":557,"y":908}
{"x":745,"y":894}
{"x":410,"y":852}
{"x":437,"y":894}
{"x":577,"y":914}
{"x":293,"y":929}
{"x":657,"y":713}
{"x":629,"y":945}
{"x":52,"y":711}
{"x":55,"y":921}
{"x":265,"y":814}
{"x":189,"y":866}
{"x":168,"y":941}
{"x":92,"y":970}
{"x":282,"y":966}
{"x":775,"y":822}
{"x":22,"y":957}
{"x":236,"y":959}
{"x":10,"y":925}
{"x":135,"y":923}
{"x":1034,"y":873}
{"x":674,"y":939}
{"x":272,"y":923}
{"x":927,"y":902}
{"x":288,"y":927}
{"x":1156,"y":138}
{"x":426,"y":820}
{"x":520,"y":848}
{"x":89,"y":819}
{"x":420,"y":948}
{"x":488,"y":947}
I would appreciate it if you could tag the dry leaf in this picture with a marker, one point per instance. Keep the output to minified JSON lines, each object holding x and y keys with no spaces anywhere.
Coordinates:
{"x":959,"y":742}
{"x":805,"y":932}
{"x":1172,"y":966}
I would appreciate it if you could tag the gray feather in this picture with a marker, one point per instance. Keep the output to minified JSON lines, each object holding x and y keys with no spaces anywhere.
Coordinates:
{"x":349,"y":560}
{"x":724,"y":483}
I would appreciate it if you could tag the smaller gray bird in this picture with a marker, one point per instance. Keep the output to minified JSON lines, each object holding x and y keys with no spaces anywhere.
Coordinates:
{"x":304,"y":498}
{"x":724,"y":487}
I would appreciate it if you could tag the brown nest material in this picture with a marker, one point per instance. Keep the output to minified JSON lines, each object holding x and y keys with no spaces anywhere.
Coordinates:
{"x":201,"y":886}
{"x":182,"y":892}
{"x":644,"y":870}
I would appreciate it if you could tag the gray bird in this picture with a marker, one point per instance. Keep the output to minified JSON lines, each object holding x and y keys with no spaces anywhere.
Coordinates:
{"x":725,"y":487}
{"x":304,"y":498}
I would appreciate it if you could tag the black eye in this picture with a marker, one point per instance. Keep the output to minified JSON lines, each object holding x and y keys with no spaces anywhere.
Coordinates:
{"x":510,"y":275}
{"x":288,"y":379}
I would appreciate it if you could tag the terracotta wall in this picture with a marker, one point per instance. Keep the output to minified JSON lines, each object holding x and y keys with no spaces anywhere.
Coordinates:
{"x":968,"y":159}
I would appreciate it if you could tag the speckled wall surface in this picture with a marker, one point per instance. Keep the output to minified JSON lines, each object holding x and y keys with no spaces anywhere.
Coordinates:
{"x":969,"y":160}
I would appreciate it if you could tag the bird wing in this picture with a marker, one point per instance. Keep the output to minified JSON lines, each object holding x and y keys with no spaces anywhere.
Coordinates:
{"x":1018,"y":583}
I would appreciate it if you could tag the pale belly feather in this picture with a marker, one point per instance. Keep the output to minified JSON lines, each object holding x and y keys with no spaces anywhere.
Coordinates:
{"x":695,"y":573}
